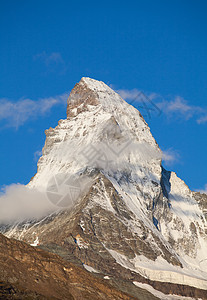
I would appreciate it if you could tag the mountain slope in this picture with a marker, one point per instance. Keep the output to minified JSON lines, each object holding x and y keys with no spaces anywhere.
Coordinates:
{"x":118,"y":211}
{"x":36,"y":274}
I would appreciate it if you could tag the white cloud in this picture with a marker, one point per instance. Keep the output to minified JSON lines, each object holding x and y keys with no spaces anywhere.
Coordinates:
{"x":137,"y":96}
{"x":202,"y":119}
{"x":179,"y":104}
{"x":19,"y":202}
{"x":177,"y":108}
{"x":180,"y":107}
{"x":128,"y":94}
{"x":170,"y":156}
{"x":15,"y":114}
{"x":143,"y":102}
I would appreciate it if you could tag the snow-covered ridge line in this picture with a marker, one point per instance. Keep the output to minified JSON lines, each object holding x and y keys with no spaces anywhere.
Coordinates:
{"x":158,"y":274}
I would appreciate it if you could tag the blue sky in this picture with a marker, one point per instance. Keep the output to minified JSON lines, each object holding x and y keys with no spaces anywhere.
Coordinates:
{"x":158,"y":47}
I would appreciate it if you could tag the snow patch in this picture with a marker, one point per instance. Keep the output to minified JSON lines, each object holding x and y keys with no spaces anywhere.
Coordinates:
{"x":36,"y":243}
{"x":161,"y":270}
{"x":159,"y":294}
{"x":90,"y":269}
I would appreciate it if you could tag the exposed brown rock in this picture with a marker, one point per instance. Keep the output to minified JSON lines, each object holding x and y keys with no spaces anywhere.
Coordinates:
{"x":28,"y":273}
{"x":79,"y":98}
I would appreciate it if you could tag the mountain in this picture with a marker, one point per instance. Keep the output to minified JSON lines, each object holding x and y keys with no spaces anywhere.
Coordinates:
{"x":118,"y":210}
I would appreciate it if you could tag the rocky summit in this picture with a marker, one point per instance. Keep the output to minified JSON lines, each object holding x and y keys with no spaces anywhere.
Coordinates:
{"x":117,"y":212}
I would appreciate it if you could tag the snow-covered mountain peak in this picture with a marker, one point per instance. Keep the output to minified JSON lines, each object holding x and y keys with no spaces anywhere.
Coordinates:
{"x":96,"y":85}
{"x":90,"y":92}
{"x":100,"y":125}
{"x":96,"y":105}
{"x":104,"y":160}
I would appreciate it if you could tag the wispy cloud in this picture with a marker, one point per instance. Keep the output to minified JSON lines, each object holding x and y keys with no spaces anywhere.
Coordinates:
{"x":202,"y":119}
{"x":170,"y":156}
{"x":37,"y":155}
{"x":180,"y":107}
{"x":176,"y":107}
{"x":48,"y":59}
{"x":134,"y":94}
{"x":144,"y":102}
{"x":52,"y":61}
{"x":128,"y":94}
{"x":15,"y":114}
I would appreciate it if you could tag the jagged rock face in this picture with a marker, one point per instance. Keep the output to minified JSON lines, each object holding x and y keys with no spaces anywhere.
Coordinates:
{"x":28,"y":273}
{"x":202,"y":202}
{"x":132,"y":217}
{"x":80,"y":97}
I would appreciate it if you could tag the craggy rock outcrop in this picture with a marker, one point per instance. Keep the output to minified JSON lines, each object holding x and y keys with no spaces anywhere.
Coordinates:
{"x":76,"y":104}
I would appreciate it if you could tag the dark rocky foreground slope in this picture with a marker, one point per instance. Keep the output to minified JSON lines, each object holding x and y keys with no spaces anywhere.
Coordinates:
{"x":29,"y":273}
